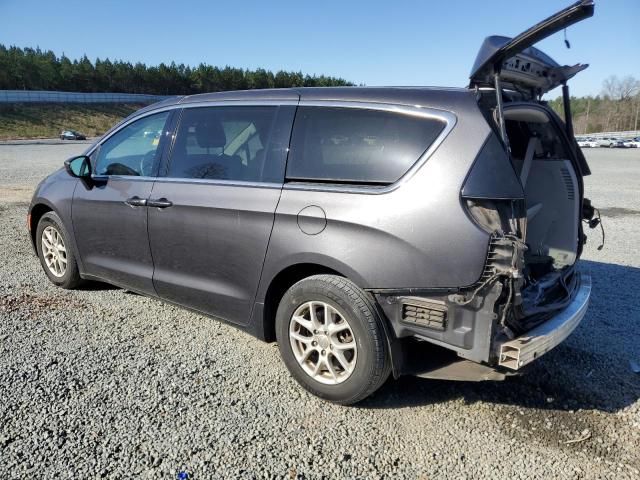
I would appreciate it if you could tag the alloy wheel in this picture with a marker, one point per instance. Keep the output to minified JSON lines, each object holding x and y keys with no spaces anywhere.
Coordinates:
{"x":323,"y":342}
{"x":54,"y":251}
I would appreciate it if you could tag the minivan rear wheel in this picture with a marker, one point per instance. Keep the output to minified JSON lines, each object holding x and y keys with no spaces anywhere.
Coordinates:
{"x":332,"y":340}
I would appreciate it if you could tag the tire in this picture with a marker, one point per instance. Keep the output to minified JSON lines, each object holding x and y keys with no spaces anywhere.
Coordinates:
{"x":68,"y":278}
{"x":369,"y":362}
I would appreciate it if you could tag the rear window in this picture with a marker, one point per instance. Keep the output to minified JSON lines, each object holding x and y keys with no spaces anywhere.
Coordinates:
{"x":353,"y":145}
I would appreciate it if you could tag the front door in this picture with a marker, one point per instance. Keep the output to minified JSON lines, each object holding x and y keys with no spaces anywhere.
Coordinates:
{"x":210,"y":216}
{"x":109,"y":213}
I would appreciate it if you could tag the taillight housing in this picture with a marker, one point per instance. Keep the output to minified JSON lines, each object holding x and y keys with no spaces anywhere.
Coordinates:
{"x":503,"y":217}
{"x":493,"y":193}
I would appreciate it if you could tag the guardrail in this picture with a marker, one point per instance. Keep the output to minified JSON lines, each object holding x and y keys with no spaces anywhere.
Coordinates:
{"x":625,"y":134}
{"x":45,"y":96}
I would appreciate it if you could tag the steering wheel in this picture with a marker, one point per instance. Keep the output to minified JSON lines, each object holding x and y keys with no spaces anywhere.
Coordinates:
{"x":146,"y":163}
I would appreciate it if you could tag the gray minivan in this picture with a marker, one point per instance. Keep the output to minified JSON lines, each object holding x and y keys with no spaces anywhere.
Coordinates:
{"x":423,"y":231}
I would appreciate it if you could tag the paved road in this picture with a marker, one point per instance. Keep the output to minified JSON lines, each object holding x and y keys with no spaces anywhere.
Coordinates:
{"x":100,"y":382}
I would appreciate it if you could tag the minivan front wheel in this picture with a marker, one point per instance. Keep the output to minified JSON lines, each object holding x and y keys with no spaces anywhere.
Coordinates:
{"x":56,"y":253}
{"x":331,"y":339}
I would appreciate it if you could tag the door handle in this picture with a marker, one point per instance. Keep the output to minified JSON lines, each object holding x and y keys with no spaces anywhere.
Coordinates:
{"x":136,"y":201}
{"x":159,"y":203}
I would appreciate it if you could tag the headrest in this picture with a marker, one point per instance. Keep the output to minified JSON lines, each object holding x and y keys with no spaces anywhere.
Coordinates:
{"x":524,"y":114}
{"x":209,"y":133}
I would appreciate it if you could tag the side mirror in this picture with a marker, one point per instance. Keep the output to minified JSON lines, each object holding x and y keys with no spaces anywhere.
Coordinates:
{"x":79,"y":167}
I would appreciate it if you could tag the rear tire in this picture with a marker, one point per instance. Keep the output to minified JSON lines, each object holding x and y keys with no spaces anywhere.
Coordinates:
{"x":55,"y":252}
{"x":345,"y":345}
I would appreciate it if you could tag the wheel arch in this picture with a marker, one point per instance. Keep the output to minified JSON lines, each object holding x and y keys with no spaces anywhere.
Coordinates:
{"x":36,"y":212}
{"x":40,"y":206}
{"x":278,"y":285}
{"x":264,"y":312}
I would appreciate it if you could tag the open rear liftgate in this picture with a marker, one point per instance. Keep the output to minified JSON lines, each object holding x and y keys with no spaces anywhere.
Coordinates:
{"x":514,"y":63}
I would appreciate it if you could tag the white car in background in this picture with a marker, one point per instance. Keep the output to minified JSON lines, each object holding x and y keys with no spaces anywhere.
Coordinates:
{"x":609,"y":142}
{"x":588,"y":143}
{"x":632,"y":143}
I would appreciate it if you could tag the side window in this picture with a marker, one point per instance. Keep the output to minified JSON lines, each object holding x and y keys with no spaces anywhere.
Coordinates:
{"x":354,"y":145}
{"x":225,"y":143}
{"x":134,"y":149}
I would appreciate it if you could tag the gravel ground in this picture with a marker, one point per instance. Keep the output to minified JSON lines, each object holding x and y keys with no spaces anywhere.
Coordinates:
{"x":104,"y":383}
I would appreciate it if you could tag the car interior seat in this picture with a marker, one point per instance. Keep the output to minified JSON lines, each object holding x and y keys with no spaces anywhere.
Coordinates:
{"x":208,"y":161}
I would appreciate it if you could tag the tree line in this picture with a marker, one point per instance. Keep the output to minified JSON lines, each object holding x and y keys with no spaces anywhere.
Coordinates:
{"x":616,"y":109}
{"x":35,"y":69}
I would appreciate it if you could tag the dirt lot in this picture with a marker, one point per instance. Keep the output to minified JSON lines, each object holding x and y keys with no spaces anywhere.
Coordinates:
{"x":101,"y":382}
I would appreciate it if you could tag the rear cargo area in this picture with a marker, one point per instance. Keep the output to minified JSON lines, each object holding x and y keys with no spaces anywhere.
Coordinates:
{"x":543,"y":163}
{"x":550,"y":183}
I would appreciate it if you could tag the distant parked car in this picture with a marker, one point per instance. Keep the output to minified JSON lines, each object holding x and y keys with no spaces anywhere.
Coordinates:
{"x":610,"y":142}
{"x":605,"y":142}
{"x":72,"y":135}
{"x":588,"y":143}
{"x":632,"y":143}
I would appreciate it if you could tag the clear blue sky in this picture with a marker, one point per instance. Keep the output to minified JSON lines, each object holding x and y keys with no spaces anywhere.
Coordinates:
{"x":372,"y":42}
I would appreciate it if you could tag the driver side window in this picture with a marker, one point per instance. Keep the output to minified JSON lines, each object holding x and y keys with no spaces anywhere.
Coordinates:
{"x":134,"y":149}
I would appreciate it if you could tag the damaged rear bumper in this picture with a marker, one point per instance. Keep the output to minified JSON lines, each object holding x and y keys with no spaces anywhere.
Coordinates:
{"x":515,"y":354}
{"x":437,"y":337}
